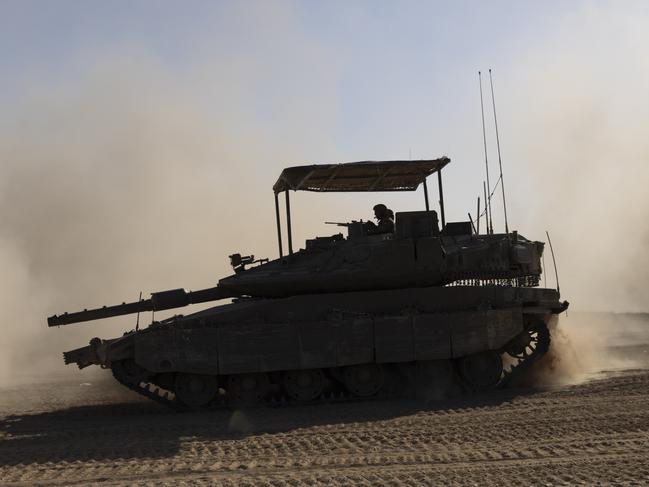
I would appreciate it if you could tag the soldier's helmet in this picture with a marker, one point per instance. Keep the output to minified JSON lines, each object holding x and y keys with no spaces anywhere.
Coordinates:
{"x":380,"y":210}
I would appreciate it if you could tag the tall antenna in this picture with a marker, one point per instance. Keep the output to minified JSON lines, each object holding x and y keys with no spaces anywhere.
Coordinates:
{"x":500,"y":163}
{"x":486,"y":215}
{"x":490,"y":228}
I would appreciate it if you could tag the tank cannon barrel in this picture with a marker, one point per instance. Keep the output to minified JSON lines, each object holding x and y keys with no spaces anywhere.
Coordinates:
{"x":160,"y":301}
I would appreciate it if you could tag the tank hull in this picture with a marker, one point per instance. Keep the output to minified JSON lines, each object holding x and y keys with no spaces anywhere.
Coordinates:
{"x":330,"y":334}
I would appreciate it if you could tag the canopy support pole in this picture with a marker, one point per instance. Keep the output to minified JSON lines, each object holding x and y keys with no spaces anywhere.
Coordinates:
{"x":288,"y":224}
{"x":279,"y":227}
{"x":426,"y":195}
{"x":441,"y":197}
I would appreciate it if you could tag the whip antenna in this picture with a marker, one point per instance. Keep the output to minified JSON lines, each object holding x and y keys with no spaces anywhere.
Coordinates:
{"x":137,"y":323}
{"x":556,"y":274}
{"x":472,"y":224}
{"x":490,"y":227}
{"x":486,"y":215}
{"x":500,"y":162}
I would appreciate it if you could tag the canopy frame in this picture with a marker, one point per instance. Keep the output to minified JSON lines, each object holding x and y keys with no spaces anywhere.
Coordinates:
{"x":359,"y":176}
{"x":365,"y":176}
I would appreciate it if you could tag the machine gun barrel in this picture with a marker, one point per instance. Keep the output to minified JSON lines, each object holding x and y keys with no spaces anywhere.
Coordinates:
{"x":174,"y":298}
{"x":340,"y":224}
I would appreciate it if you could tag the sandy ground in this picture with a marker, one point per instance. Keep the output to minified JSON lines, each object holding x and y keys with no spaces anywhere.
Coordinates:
{"x":67,"y":431}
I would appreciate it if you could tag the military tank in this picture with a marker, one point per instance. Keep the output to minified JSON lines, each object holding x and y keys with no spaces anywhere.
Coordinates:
{"x":432,"y":303}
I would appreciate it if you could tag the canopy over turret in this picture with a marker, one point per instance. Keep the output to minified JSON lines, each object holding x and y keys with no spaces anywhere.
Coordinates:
{"x":359,"y":176}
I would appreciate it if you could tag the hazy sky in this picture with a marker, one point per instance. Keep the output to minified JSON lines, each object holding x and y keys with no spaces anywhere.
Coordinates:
{"x":395,"y":73}
{"x":139,"y":140}
{"x":399,"y":45}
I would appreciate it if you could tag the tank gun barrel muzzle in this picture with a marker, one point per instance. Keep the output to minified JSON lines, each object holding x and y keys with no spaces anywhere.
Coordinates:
{"x":160,"y":301}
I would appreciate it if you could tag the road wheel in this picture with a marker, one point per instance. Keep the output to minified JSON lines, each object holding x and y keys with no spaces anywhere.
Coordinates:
{"x":363,"y":380}
{"x":303,"y":385}
{"x":248,"y":388}
{"x":195,"y":390}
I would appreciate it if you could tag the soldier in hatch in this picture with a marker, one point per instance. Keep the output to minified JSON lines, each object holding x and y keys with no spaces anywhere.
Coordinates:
{"x":385,"y":221}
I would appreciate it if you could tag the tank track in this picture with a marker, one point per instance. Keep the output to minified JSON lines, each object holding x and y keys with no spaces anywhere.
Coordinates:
{"x":168,"y":398}
{"x":518,"y":364}
{"x":541,"y":342}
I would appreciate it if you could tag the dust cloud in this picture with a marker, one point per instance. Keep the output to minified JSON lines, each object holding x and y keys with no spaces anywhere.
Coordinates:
{"x":120,"y":180}
{"x":587,"y":345}
{"x":96,"y":176}
{"x":576,"y":118}
{"x":576,"y":122}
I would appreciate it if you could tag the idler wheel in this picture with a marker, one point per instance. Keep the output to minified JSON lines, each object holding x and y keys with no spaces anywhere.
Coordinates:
{"x":363,"y":380}
{"x":481,"y":370}
{"x":195,"y":390}
{"x":248,"y":388}
{"x":303,"y":385}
